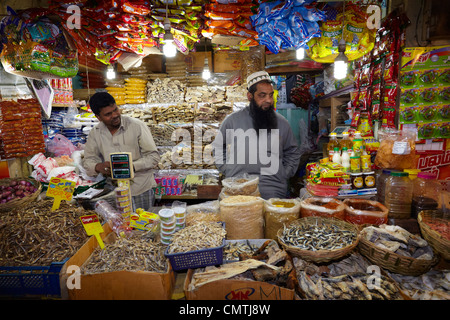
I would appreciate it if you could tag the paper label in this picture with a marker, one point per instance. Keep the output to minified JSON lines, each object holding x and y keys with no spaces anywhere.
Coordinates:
{"x":401,"y":147}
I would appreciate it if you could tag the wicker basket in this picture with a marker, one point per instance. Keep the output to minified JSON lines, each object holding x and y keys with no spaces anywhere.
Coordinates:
{"x":394,"y":262}
{"x":437,"y":241}
{"x":320,"y":256}
{"x":22,"y":201}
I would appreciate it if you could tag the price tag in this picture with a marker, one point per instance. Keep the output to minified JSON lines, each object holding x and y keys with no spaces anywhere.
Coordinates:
{"x":93,"y":227}
{"x":60,"y":189}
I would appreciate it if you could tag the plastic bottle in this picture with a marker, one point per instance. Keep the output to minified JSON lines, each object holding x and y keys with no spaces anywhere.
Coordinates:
{"x":333,"y":143}
{"x":366,"y":164}
{"x":426,"y":192}
{"x":336,"y":156}
{"x":346,"y":142}
{"x":345,"y":159}
{"x":381,"y":184}
{"x":355,"y":162}
{"x":398,"y":195}
{"x":358,"y":143}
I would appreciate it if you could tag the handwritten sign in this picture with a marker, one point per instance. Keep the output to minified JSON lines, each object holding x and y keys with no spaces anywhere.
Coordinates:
{"x":60,"y":189}
{"x":93,"y":227}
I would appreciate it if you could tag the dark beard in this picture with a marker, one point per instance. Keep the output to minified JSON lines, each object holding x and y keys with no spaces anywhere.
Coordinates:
{"x":263,"y":119}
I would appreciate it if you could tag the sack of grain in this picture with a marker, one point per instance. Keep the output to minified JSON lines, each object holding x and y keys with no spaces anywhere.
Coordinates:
{"x":243,"y":217}
{"x":279,"y":212}
{"x":241,"y":185}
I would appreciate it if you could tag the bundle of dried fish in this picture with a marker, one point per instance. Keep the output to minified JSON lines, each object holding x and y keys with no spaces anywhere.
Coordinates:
{"x":233,"y":249}
{"x":36,"y":236}
{"x":433,"y":285}
{"x":137,"y":253}
{"x":317,"y":237}
{"x":162,"y":134}
{"x":205,"y":94}
{"x":355,"y":286}
{"x":398,"y":240}
{"x":166,"y":90}
{"x":145,"y":115}
{"x":197,"y":237}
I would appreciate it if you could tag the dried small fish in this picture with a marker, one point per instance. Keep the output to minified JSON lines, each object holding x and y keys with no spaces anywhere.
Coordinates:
{"x":317,"y":237}
{"x":197,"y":237}
{"x":129,"y":254}
{"x":36,"y":236}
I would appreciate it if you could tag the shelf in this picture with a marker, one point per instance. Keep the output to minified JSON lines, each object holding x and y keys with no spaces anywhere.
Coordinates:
{"x":338,"y":93}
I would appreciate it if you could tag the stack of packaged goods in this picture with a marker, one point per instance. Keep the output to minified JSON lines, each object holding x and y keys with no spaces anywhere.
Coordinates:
{"x":135,"y":90}
{"x":123,"y":202}
{"x":231,"y":18}
{"x":167,"y":217}
{"x":326,"y":178}
{"x":116,"y":88}
{"x":281,"y":25}
{"x":63,"y":90}
{"x":21,"y":129}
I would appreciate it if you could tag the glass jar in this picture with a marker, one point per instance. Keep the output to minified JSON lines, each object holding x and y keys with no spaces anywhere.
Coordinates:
{"x":398,"y":195}
{"x":426,"y":192}
{"x":381,"y":184}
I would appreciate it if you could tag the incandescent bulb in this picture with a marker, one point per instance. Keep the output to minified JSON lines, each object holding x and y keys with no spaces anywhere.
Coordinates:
{"x":340,"y":70}
{"x":169,"y":49}
{"x":300,"y":53}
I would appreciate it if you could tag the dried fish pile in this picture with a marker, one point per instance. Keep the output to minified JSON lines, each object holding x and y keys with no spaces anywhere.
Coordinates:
{"x":197,"y":237}
{"x":36,"y":236}
{"x":236,"y":93}
{"x":139,"y":113}
{"x":166,"y":90}
{"x":205,"y":94}
{"x":356,"y":286}
{"x":232,"y":250}
{"x":176,"y":113}
{"x":162,"y":134}
{"x":433,"y":285}
{"x":213,"y":112}
{"x":317,"y":237}
{"x":399,"y":241}
{"x":128,"y":254}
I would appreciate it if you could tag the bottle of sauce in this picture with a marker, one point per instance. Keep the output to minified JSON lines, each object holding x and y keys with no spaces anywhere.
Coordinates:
{"x":345,"y":159}
{"x":358,"y":143}
{"x":398,"y":197}
{"x":426,"y":191}
{"x":345,"y":142}
{"x":333,"y":143}
{"x":366,"y":164}
{"x":355,"y":162}
{"x":336,"y":156}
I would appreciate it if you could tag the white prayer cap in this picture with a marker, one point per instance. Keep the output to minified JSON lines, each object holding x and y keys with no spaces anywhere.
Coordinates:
{"x":257,"y":77}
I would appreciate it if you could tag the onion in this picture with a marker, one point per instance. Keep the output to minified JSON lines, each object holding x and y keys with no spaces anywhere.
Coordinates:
{"x":13,"y":183}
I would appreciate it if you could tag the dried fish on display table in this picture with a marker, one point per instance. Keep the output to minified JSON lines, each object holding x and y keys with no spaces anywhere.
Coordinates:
{"x":36,"y":236}
{"x":166,"y":90}
{"x":197,"y":237}
{"x":136,"y":253}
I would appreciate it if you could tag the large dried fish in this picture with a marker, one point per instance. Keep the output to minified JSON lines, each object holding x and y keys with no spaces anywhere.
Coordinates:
{"x":36,"y":236}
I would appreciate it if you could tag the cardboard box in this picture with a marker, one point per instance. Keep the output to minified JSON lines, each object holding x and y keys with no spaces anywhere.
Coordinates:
{"x":120,"y":285}
{"x":195,"y":61}
{"x":227,"y":61}
{"x":236,"y":290}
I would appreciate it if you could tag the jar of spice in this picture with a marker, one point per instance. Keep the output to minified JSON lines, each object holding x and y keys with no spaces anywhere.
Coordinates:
{"x":426,"y":191}
{"x":398,"y":197}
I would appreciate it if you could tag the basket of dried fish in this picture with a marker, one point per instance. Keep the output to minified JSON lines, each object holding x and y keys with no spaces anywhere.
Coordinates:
{"x":318,"y":239}
{"x":395,"y":249}
{"x":435,"y":230}
{"x":18,"y":192}
{"x":196,"y":246}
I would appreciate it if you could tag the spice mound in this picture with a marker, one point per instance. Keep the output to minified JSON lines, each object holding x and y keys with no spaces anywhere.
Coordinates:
{"x":197,"y":237}
{"x":137,"y":253}
{"x":317,"y":237}
{"x":34,"y":235}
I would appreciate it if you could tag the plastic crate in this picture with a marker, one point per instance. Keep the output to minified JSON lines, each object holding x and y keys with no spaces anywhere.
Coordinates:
{"x":197,"y":258}
{"x":31,"y":280}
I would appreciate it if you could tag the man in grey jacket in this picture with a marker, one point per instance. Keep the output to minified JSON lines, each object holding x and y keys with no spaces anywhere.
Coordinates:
{"x":258,"y":141}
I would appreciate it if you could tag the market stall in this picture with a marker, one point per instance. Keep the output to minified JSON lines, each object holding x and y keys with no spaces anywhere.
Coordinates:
{"x":366,"y":216}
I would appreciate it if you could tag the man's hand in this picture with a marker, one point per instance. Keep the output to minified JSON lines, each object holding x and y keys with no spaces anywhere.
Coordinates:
{"x":103,"y":168}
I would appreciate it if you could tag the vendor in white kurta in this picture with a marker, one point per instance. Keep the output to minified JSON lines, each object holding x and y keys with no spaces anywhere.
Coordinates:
{"x":117,"y":133}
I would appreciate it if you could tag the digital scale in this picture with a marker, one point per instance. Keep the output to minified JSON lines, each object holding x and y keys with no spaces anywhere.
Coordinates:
{"x":339,"y":130}
{"x":121,"y":165}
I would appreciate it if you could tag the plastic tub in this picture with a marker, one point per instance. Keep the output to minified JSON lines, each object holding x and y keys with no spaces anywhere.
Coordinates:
{"x":360,"y":211}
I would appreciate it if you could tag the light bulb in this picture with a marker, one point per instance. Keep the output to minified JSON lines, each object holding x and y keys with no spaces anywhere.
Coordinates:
{"x":110,"y":73}
{"x":206,"y":73}
{"x":169,"y":49}
{"x":300,"y":53}
{"x":340,"y":70}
